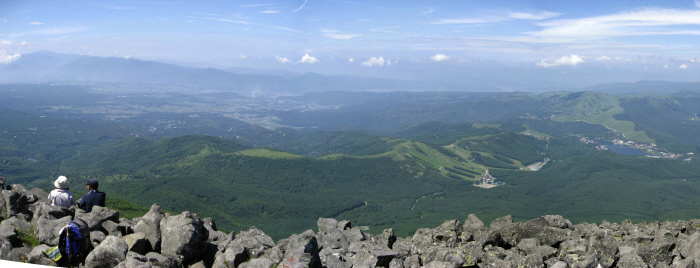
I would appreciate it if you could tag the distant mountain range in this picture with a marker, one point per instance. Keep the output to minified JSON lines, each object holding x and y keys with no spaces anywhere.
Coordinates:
{"x":50,"y":67}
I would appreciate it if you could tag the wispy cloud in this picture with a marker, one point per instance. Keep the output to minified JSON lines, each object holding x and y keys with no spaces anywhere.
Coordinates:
{"x":50,"y":31}
{"x":5,"y":42}
{"x":697,"y":4}
{"x":7,"y":58}
{"x":302,"y":6}
{"x":336,"y":35}
{"x":572,"y":60}
{"x":281,"y":59}
{"x":428,"y":11}
{"x":603,"y":58}
{"x":543,"y":15}
{"x":439,"y":57}
{"x":351,"y":60}
{"x":642,"y":22}
{"x":269,"y":11}
{"x":374,"y":61}
{"x":208,"y":14}
{"x":683,"y":66}
{"x":36,"y":23}
{"x":308,"y":59}
{"x":385,"y":29}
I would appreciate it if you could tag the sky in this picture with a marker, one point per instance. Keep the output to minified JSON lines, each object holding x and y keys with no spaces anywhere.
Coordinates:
{"x":642,"y":38}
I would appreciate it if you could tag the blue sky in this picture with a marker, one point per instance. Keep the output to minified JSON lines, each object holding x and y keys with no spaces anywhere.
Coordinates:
{"x":367,"y":37}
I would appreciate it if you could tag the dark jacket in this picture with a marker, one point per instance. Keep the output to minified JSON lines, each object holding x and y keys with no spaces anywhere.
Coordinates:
{"x":92,"y":199}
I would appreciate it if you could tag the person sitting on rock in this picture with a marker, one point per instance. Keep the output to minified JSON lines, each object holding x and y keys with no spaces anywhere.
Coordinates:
{"x":61,"y":196}
{"x":93,"y":198}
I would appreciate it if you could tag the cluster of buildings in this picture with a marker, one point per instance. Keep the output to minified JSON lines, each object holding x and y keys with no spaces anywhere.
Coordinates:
{"x":651,"y":149}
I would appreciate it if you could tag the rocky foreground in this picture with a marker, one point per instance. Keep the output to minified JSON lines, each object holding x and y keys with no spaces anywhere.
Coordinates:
{"x":162,"y":240}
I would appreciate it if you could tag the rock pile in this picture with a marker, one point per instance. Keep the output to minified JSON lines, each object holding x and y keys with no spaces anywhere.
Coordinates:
{"x":159,"y":239}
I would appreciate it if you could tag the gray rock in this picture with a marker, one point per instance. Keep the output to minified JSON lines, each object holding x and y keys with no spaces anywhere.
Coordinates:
{"x":326,"y":225}
{"x":334,"y":239}
{"x":97,"y":236}
{"x":125,"y":226}
{"x":5,"y":249}
{"x":344,"y":225}
{"x":158,"y":260}
{"x":257,"y":263}
{"x":97,"y":217}
{"x":631,"y":261}
{"x":354,"y":235}
{"x":19,"y":254}
{"x":8,"y":233}
{"x":183,"y":237}
{"x":112,"y":228}
{"x":396,"y":263}
{"x":109,"y":253}
{"x":439,"y":264}
{"x":136,"y":242}
{"x":689,"y":247}
{"x":254,"y":241}
{"x":15,"y":203}
{"x":301,"y":250}
{"x":500,"y":223}
{"x":235,"y":254}
{"x":658,"y":251}
{"x":386,"y":239}
{"x":412,"y":261}
{"x":36,"y":256}
{"x":149,"y":225}
{"x":473,"y":224}
{"x":46,"y":230}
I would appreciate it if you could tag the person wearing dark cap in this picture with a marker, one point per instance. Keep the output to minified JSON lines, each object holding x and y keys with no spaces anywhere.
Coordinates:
{"x":93,"y":198}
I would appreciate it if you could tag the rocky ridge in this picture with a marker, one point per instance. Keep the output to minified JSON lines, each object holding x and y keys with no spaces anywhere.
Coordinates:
{"x":159,"y":239}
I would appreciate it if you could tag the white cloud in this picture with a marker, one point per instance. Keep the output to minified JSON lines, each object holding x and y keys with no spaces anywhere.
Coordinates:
{"x":697,"y":3}
{"x":666,"y":66}
{"x":281,"y":59}
{"x":603,"y":58}
{"x":683,"y":66}
{"x":530,"y":16}
{"x":572,"y":60}
{"x":374,"y":61}
{"x":23,"y":43}
{"x":335,"y":35}
{"x":36,"y":23}
{"x":428,"y":11}
{"x":351,"y":60}
{"x":243,"y":56}
{"x":439,"y":57}
{"x":7,"y":58}
{"x":637,"y":23}
{"x":269,"y":11}
{"x":5,"y":42}
{"x":308,"y":59}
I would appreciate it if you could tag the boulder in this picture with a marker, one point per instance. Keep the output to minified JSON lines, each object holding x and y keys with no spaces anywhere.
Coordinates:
{"x":109,"y":253}
{"x":97,"y":236}
{"x":16,"y":202}
{"x":125,"y":226}
{"x":112,"y":228}
{"x":149,"y":225}
{"x":183,"y":237}
{"x":19,"y":254}
{"x":257,"y":263}
{"x":36,"y":256}
{"x":158,"y":260}
{"x":301,"y":250}
{"x":8,"y":233}
{"x":254,"y":241}
{"x":326,"y":225}
{"x":97,"y":217}
{"x":136,"y":242}
{"x":46,"y":230}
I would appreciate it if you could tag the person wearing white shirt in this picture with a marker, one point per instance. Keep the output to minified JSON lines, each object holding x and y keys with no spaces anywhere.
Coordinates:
{"x":61,"y":196}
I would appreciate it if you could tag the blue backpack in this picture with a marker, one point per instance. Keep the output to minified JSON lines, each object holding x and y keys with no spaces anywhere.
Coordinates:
{"x":75,"y":243}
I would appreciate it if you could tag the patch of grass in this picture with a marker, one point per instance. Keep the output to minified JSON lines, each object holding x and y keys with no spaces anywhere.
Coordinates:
{"x":28,"y":238}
